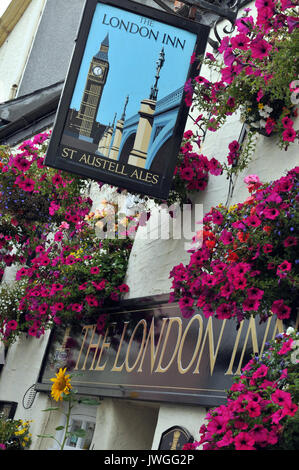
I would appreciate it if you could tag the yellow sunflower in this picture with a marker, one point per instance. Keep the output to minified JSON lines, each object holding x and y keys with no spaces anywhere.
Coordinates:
{"x":61,"y":385}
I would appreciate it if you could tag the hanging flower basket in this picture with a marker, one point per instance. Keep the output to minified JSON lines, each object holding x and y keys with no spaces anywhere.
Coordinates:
{"x":245,"y":263}
{"x":261,"y":115}
{"x":253,"y":75}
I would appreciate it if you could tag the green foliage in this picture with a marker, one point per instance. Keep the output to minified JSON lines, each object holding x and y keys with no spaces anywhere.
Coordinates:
{"x":14,"y":434}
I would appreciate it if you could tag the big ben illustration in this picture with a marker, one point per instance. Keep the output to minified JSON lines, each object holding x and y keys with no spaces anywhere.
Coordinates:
{"x":95,"y":82}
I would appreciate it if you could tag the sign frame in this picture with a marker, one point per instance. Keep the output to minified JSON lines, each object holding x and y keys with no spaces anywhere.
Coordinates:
{"x":143,"y":182}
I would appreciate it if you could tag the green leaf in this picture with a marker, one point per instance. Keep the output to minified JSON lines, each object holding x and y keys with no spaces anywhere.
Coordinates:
{"x":51,"y":409}
{"x":59,"y":428}
{"x":89,"y":401}
{"x":78,"y":433}
{"x":48,"y":436}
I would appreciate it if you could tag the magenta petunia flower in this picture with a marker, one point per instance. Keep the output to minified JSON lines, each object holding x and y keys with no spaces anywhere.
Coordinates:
{"x":260,"y":434}
{"x":280,"y":309}
{"x":253,"y":409}
{"x":76,"y":307}
{"x":260,"y":48}
{"x":241,"y":41}
{"x":284,"y":266}
{"x":229,"y":73}
{"x":208,"y":310}
{"x":251,"y":305}
{"x":286,"y":347}
{"x":282,"y":398}
{"x":224,"y":311}
{"x":287,"y":122}
{"x":215,"y":167}
{"x":58,"y":306}
{"x":244,"y":441}
{"x":260,"y":372}
{"x":12,"y":324}
{"x":271,"y":213}
{"x":123,"y":288}
{"x":57,"y":180}
{"x":186,"y":302}
{"x":234,"y":146}
{"x":255,"y":293}
{"x":289,"y":134}
{"x":217,"y":217}
{"x":83,"y":286}
{"x":290,"y":241}
{"x":187,"y":173}
{"x":217,"y":425}
{"x":58,"y":236}
{"x":245,"y":25}
{"x":27,"y":185}
{"x":21,"y":163}
{"x":226,"y":237}
{"x":94,"y":270}
{"x":253,"y":221}
{"x":240,"y":283}
{"x":92,"y":301}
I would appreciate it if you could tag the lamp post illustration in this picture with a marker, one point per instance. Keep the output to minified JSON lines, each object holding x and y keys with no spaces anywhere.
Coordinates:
{"x":160,"y":63}
{"x":138,"y":154}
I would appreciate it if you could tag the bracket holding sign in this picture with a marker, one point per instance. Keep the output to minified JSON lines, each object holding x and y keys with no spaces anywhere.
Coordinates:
{"x":122,"y":113}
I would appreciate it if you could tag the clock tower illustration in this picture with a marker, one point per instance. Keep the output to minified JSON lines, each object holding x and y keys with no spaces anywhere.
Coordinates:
{"x":95,"y":82}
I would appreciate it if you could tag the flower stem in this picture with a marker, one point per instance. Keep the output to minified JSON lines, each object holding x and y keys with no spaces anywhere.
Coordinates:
{"x":68,"y":416}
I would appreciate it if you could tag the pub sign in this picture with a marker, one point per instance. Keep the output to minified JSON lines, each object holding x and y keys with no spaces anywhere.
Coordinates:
{"x":149,"y":352}
{"x":122,"y":112}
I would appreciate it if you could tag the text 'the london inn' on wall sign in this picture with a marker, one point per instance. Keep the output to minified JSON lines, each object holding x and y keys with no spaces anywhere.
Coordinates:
{"x":122,"y":112}
{"x":148,"y":351}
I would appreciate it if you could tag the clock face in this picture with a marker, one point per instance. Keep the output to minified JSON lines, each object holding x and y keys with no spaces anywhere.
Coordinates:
{"x":98,"y":71}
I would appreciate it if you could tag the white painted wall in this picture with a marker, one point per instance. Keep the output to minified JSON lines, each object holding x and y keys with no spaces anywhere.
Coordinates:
{"x":188,"y":417}
{"x":21,"y":370}
{"x":14,"y":52}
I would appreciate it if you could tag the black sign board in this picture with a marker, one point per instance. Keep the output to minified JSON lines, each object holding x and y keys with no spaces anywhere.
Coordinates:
{"x":122,"y":112}
{"x":149,"y":352}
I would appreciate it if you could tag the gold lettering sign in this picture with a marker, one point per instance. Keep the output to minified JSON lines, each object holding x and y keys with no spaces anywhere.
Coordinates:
{"x":91,"y":160}
{"x":154,"y":353}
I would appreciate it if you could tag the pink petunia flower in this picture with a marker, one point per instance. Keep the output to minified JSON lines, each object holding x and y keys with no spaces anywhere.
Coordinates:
{"x":241,"y":41}
{"x":253,"y":221}
{"x":58,"y":236}
{"x":94,"y":270}
{"x":271,"y":213}
{"x":282,"y":398}
{"x":27,"y":185}
{"x":12,"y":324}
{"x":286,"y":347}
{"x":244,"y":441}
{"x":289,"y":134}
{"x":280,"y":309}
{"x":260,"y":48}
{"x":226,"y":237}
{"x":251,"y":305}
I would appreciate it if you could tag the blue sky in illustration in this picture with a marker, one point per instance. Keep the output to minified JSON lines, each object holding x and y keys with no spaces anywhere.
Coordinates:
{"x":132,"y":60}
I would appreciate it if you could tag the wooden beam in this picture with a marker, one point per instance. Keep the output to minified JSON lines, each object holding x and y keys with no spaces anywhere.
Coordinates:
{"x":11,"y":16}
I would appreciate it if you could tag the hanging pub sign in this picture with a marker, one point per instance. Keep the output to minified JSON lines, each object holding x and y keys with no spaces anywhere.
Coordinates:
{"x":148,"y":351}
{"x":122,"y":112}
